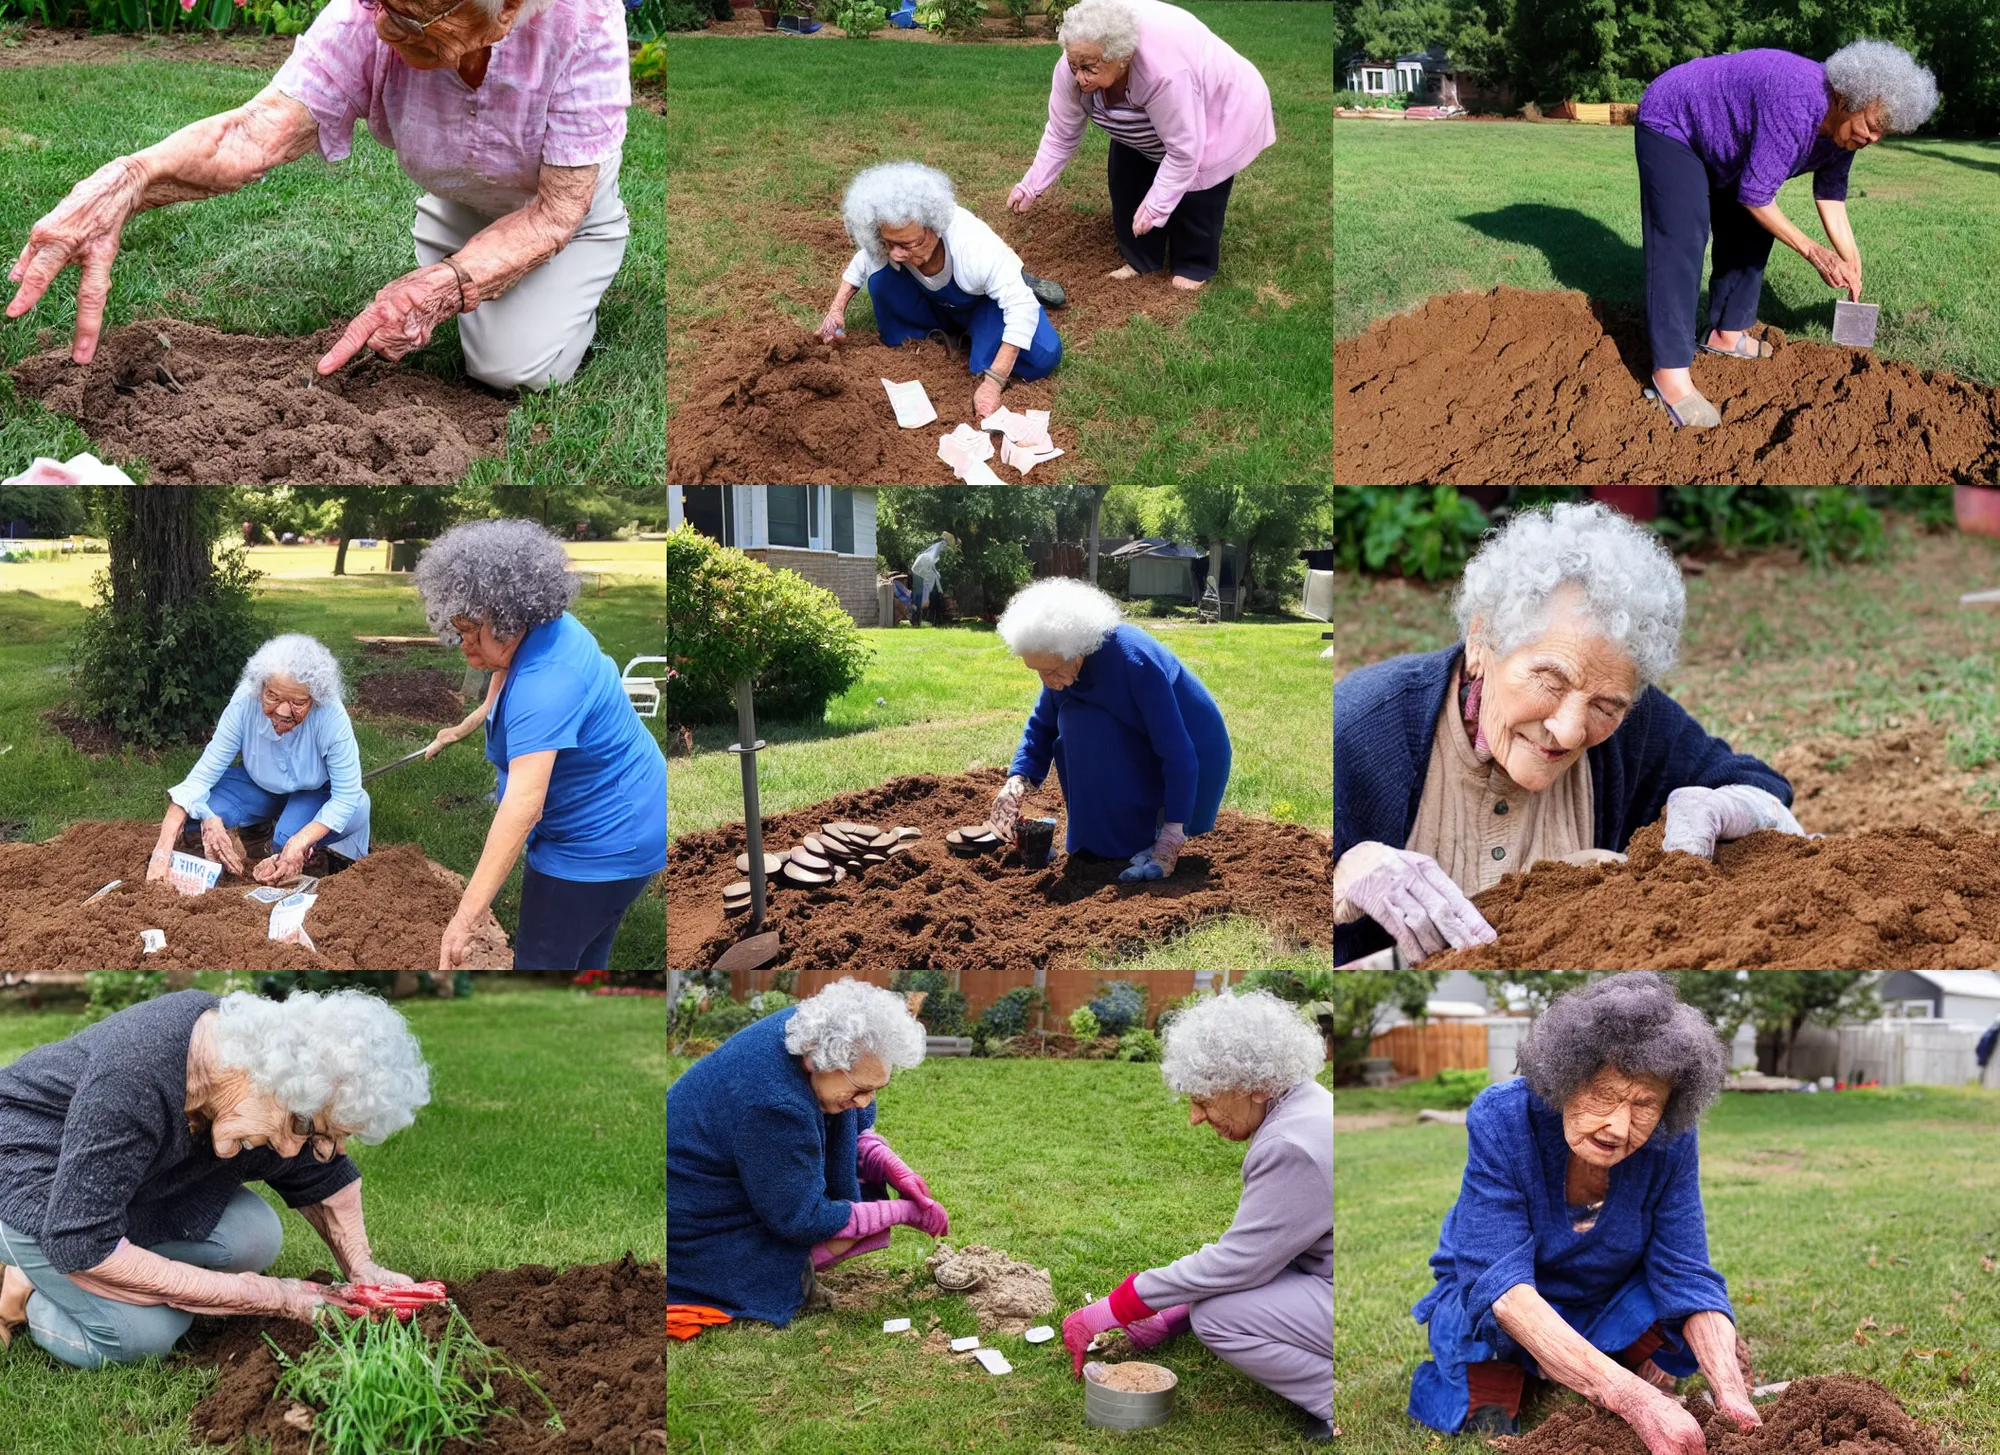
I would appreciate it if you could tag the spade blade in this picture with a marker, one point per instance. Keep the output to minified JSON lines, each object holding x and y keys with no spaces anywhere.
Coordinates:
{"x":1854,"y":324}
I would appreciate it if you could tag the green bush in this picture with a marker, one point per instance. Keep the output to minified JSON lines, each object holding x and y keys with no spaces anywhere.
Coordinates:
{"x":1413,"y":532}
{"x":952,"y":17}
{"x":1120,"y":1005}
{"x":724,"y":1019}
{"x":1458,"y":1088}
{"x":684,"y":14}
{"x":943,"y":1012}
{"x":770,"y":1002}
{"x":1083,"y":1024}
{"x":729,"y":616}
{"x":1173,"y":1009}
{"x":1139,"y":1044}
{"x":1824,"y":523}
{"x":1008,"y":1016}
{"x":1371,"y":100}
{"x":858,"y":17}
{"x":649,"y":63}
{"x":1298,"y":987}
{"x":378,"y":982}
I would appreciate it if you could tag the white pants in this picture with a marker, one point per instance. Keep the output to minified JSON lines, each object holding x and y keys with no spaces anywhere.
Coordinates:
{"x":534,"y":334}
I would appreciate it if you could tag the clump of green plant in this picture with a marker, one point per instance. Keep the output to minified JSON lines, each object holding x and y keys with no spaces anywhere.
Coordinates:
{"x":1174,"y":1008}
{"x":1120,"y":1005}
{"x":858,"y":17}
{"x":1458,"y":1088}
{"x":1139,"y":1045}
{"x":724,"y":1019}
{"x":943,"y":1010}
{"x":770,"y":1002}
{"x":1300,"y":987}
{"x":111,"y":991}
{"x":649,"y":62}
{"x":386,"y":1388}
{"x":1083,"y":1024}
{"x":1019,"y":9}
{"x":956,"y":17}
{"x":1008,"y":1016}
{"x":1426,"y":533}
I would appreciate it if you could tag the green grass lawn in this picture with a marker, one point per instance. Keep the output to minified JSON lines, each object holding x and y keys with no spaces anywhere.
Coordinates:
{"x":305,"y":248}
{"x":1822,"y":1212}
{"x":1472,"y":206}
{"x":1089,"y":1169}
{"x":1240,"y":393}
{"x":46,"y":781}
{"x":541,"y":1145}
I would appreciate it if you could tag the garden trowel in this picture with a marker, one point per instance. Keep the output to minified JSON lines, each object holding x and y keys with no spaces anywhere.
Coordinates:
{"x":1854,"y":324}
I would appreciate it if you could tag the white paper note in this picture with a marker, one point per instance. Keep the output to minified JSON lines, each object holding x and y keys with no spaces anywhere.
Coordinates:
{"x":153,"y":940}
{"x":912,"y":405}
{"x":977,"y":473}
{"x":199,"y":875}
{"x":959,"y":1346}
{"x":994,"y":1361}
{"x":895,"y":1326}
{"x":288,"y":917}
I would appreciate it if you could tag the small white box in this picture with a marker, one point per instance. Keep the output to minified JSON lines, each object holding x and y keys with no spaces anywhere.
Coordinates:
{"x":1040,"y":1334}
{"x":895,"y":1326}
{"x":153,"y":940}
{"x":959,"y":1346}
{"x":993,"y":1361}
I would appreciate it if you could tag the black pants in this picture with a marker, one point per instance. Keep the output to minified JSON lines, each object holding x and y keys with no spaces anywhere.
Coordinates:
{"x":1194,"y":231}
{"x":569,"y":924}
{"x":1677,"y":208}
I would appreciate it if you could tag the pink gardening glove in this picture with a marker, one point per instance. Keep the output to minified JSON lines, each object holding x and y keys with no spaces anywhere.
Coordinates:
{"x":1698,"y":817}
{"x":823,"y":1255}
{"x":1083,"y":1326}
{"x":1411,"y":897}
{"x":1168,"y":1323}
{"x":869,"y":1218}
{"x":877,"y":1162}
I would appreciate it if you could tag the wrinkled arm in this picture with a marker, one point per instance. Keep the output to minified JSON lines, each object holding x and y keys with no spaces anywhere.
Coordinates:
{"x":1066,"y":124}
{"x":1565,"y":1355}
{"x":225,"y":152}
{"x":520,"y":811}
{"x":138,"y":1275}
{"x":338,"y":1222}
{"x":506,"y":250}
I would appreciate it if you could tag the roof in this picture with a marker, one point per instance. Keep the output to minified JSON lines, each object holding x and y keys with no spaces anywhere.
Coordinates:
{"x":1158,"y":546}
{"x":1974,"y":984}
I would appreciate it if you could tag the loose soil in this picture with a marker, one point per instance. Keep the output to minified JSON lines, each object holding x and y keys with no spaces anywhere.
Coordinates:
{"x":1888,"y":899}
{"x":243,"y":415}
{"x":1825,"y":1414}
{"x":1137,"y":1378}
{"x":1898,"y":777}
{"x":1508,"y":386}
{"x":427,"y":695}
{"x":862,"y":1283}
{"x":1012,"y":1297}
{"x":1055,"y":1046}
{"x":388,"y":912}
{"x":590,"y":1336}
{"x":35,"y":46}
{"x":929,"y":909}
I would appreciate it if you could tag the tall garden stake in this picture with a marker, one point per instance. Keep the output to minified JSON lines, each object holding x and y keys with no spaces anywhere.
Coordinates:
{"x":745,"y":747}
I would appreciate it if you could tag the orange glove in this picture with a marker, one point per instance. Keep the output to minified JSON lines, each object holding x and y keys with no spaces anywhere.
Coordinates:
{"x":685,"y":1320}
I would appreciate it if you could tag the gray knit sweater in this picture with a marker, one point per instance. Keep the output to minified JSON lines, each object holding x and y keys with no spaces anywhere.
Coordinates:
{"x":94,"y":1141}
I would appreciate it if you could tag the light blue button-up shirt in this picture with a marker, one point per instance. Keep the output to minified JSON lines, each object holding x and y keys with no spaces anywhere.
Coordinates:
{"x":319,"y":752}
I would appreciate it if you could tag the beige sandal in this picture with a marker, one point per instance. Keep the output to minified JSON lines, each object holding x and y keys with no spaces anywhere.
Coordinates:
{"x":1690,"y":411}
{"x":1759,"y":349}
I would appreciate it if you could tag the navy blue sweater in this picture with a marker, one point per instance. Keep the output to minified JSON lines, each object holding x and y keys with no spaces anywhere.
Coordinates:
{"x":1385,"y":716}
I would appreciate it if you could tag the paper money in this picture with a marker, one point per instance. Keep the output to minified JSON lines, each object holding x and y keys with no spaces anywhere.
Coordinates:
{"x":912,"y":405}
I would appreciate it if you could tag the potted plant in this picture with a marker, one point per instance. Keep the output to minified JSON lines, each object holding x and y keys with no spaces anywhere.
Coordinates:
{"x":769,"y":14}
{"x":797,"y":16}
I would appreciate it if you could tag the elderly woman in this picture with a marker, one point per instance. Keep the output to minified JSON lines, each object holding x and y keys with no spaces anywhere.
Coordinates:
{"x":1539,"y":736}
{"x":583,"y":785}
{"x":283,"y":754}
{"x":1185,"y":114}
{"x":1577,"y":1248}
{"x":774,"y":1168}
{"x":1716,"y":139}
{"x":1138,"y":744}
{"x":510,"y":114}
{"x":125,"y":1150}
{"x":930,"y":267}
{"x":1261,"y":1295}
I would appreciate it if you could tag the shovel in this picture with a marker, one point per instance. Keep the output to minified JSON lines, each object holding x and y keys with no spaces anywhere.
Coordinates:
{"x":390,"y":767}
{"x":1854,"y":324}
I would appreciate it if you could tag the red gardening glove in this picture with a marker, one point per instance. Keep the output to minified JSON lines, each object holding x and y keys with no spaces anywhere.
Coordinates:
{"x":1083,"y":1326}
{"x":401,"y":1301}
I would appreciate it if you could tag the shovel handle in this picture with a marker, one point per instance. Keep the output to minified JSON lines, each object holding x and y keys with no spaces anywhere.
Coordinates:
{"x":389,"y":767}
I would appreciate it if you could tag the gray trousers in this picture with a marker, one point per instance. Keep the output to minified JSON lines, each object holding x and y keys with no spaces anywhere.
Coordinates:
{"x":89,"y":1331}
{"x":534,"y":334}
{"x":1281,"y":1335}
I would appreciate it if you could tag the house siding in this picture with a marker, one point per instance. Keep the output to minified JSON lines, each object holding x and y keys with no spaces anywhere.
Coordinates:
{"x":851,"y":578}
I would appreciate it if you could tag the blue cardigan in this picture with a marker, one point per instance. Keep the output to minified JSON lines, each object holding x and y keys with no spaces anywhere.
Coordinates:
{"x":1385,"y":716}
{"x":756,"y":1175}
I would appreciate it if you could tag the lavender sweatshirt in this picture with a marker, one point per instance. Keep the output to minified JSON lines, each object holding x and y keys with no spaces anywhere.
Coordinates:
{"x":1285,"y":1219}
{"x":1753,"y":117}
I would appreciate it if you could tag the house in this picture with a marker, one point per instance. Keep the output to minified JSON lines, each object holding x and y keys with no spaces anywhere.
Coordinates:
{"x":825,"y":533}
{"x":1160,"y":567}
{"x":1971,"y":997}
{"x":1426,"y":75}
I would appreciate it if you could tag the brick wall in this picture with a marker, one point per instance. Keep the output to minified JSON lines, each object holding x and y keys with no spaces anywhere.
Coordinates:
{"x":851,"y":578}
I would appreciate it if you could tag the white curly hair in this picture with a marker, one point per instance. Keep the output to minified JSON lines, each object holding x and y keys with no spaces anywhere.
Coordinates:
{"x":1249,"y":1042}
{"x":1632,"y":592}
{"x":508,"y":575}
{"x":1059,"y":616}
{"x":1863,"y":72}
{"x":851,"y":1019}
{"x":896,"y":193}
{"x":494,"y":7}
{"x":347,"y":1053}
{"x":295,"y":655}
{"x":1111,"y":25}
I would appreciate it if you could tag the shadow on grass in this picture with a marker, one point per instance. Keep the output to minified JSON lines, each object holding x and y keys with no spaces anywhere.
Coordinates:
{"x":1954,"y":158}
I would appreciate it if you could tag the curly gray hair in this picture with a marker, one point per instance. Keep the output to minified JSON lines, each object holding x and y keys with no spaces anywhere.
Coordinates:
{"x":1111,"y":25}
{"x":297,"y":656}
{"x":1066,"y":618}
{"x":1634,"y":1022}
{"x":510,"y":575}
{"x":1864,"y":72}
{"x":1252,"y":1042}
{"x":1632,"y":592}
{"x":896,"y":193}
{"x":851,"y":1019}
{"x":348,"y":1054}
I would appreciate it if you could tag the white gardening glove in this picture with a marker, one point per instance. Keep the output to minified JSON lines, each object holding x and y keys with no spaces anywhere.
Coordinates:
{"x":1006,"y":814}
{"x":1411,"y":897}
{"x":1698,"y":818}
{"x":1157,"y":862}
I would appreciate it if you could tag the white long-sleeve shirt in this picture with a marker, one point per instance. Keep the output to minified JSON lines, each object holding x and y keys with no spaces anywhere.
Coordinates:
{"x":319,"y":751}
{"x":978,"y":261}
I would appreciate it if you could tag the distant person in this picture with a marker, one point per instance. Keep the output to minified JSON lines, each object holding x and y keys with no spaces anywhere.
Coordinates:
{"x":926,"y":578}
{"x":1989,"y":1061}
{"x":1716,"y":138}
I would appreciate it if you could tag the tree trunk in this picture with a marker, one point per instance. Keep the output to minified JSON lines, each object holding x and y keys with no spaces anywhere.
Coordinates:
{"x":1096,"y":511}
{"x":340,"y":556}
{"x":159,"y":548}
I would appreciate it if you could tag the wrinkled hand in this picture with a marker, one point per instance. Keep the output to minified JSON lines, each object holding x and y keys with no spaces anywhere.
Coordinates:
{"x":373,"y":1272}
{"x":401,"y":318}
{"x":1083,"y":1326}
{"x":1005,"y":816}
{"x":453,"y":947}
{"x":1143,"y":221}
{"x":1742,"y":1412}
{"x":445,"y":738}
{"x":831,"y":327}
{"x":985,"y":399}
{"x":1661,"y":1424}
{"x":84,"y":229}
{"x":1697,"y":818}
{"x":1020,"y":199}
{"x":159,"y":866}
{"x":1411,"y":897}
{"x":294,"y":1298}
{"x":221,"y":844}
{"x":288,"y":863}
{"x":1157,"y":862}
{"x":1836,"y":270}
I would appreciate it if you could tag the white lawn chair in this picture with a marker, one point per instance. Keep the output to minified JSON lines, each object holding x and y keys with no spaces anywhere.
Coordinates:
{"x":644,"y":691}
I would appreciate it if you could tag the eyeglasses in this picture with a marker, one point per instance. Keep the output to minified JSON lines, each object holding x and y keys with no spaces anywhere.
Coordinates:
{"x":324,"y":1144}
{"x":403,"y":22}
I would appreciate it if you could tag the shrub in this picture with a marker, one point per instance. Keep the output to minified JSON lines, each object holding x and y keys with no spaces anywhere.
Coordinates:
{"x":1370,"y":101}
{"x":943,"y":1012}
{"x":724,"y":1020}
{"x":1139,"y":1045}
{"x":1083,"y":1023}
{"x":770,"y":1002}
{"x":1019,"y":10}
{"x":729,"y":617}
{"x":1174,"y":1008}
{"x":684,"y":14}
{"x":858,"y":17}
{"x":649,"y":62}
{"x":1008,"y":1016}
{"x":1056,"y":10}
{"x":954,"y":17}
{"x":1458,"y":1088}
{"x":1427,"y":533}
{"x":1300,"y":988}
{"x":1120,"y":1006}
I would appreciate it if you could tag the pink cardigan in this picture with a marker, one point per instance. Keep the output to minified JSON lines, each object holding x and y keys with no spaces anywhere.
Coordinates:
{"x":1208,"y":104}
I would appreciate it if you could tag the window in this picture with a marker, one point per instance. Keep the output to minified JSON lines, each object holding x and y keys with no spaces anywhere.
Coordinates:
{"x":843,"y":521}
{"x":790,"y":510}
{"x":1376,"y":80}
{"x":709,"y":509}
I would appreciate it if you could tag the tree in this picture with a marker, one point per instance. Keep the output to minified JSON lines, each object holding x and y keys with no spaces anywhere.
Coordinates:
{"x":1539,"y":986}
{"x":1265,"y":523}
{"x":991,"y":524}
{"x":1609,"y":50}
{"x":1362,"y":1001}
{"x":1779,"y":1003}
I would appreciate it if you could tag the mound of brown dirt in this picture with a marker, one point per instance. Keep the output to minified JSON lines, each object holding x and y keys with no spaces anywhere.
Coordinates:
{"x":1512,"y":386}
{"x":1824,"y":1414}
{"x":1077,"y":249}
{"x":590,"y":1336}
{"x":927,"y":909}
{"x":242,"y":414}
{"x":388,"y":912}
{"x":1889,"y":899}
{"x":1011,"y":1296}
{"x":427,"y":695}
{"x":1896,"y":778}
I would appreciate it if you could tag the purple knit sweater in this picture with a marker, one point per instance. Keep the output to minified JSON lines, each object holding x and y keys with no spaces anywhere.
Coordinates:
{"x":1753,"y":117}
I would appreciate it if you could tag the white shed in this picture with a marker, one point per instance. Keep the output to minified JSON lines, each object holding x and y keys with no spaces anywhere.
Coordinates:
{"x":1971,"y":997}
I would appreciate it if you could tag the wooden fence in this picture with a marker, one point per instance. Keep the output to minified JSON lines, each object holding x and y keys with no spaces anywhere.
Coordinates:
{"x":1423,"y":1051}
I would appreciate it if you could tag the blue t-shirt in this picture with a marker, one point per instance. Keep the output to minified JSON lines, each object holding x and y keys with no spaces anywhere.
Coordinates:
{"x":606,"y":812}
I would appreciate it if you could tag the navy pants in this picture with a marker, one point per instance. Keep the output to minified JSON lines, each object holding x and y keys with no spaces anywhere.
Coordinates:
{"x":569,"y":924}
{"x":1677,"y":209}
{"x":1193,"y":232}
{"x":905,"y":309}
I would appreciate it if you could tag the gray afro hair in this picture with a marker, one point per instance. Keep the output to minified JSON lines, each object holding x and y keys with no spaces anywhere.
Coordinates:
{"x":851,"y":1019}
{"x":1109,"y":24}
{"x":1866,"y":71}
{"x":509,"y":575}
{"x":1632,"y":592}
{"x":1251,"y":1042}
{"x":297,"y":656}
{"x":1634,"y":1022}
{"x":1068,"y":618}
{"x":896,"y":193}
{"x":348,"y":1054}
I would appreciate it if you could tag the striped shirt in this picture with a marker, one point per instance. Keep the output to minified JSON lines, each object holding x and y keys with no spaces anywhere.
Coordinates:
{"x":1128,"y":124}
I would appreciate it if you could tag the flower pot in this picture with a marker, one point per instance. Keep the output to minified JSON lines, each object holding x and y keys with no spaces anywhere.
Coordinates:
{"x":1977,"y":508}
{"x":1115,"y":1409}
{"x":770,"y":17}
{"x":1037,"y":836}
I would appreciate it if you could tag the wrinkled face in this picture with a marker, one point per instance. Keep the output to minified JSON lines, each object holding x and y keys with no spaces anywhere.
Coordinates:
{"x":285,"y":702}
{"x":1056,"y":672}
{"x":1235,"y":1115}
{"x":256,"y":1119}
{"x":1612,"y":1116}
{"x":848,"y":1090}
{"x":1545,"y":705}
{"x":1854,"y":130}
{"x":447,"y":41}
{"x":909,"y":244}
{"x":1092,"y":71}
{"x":483,"y":650}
